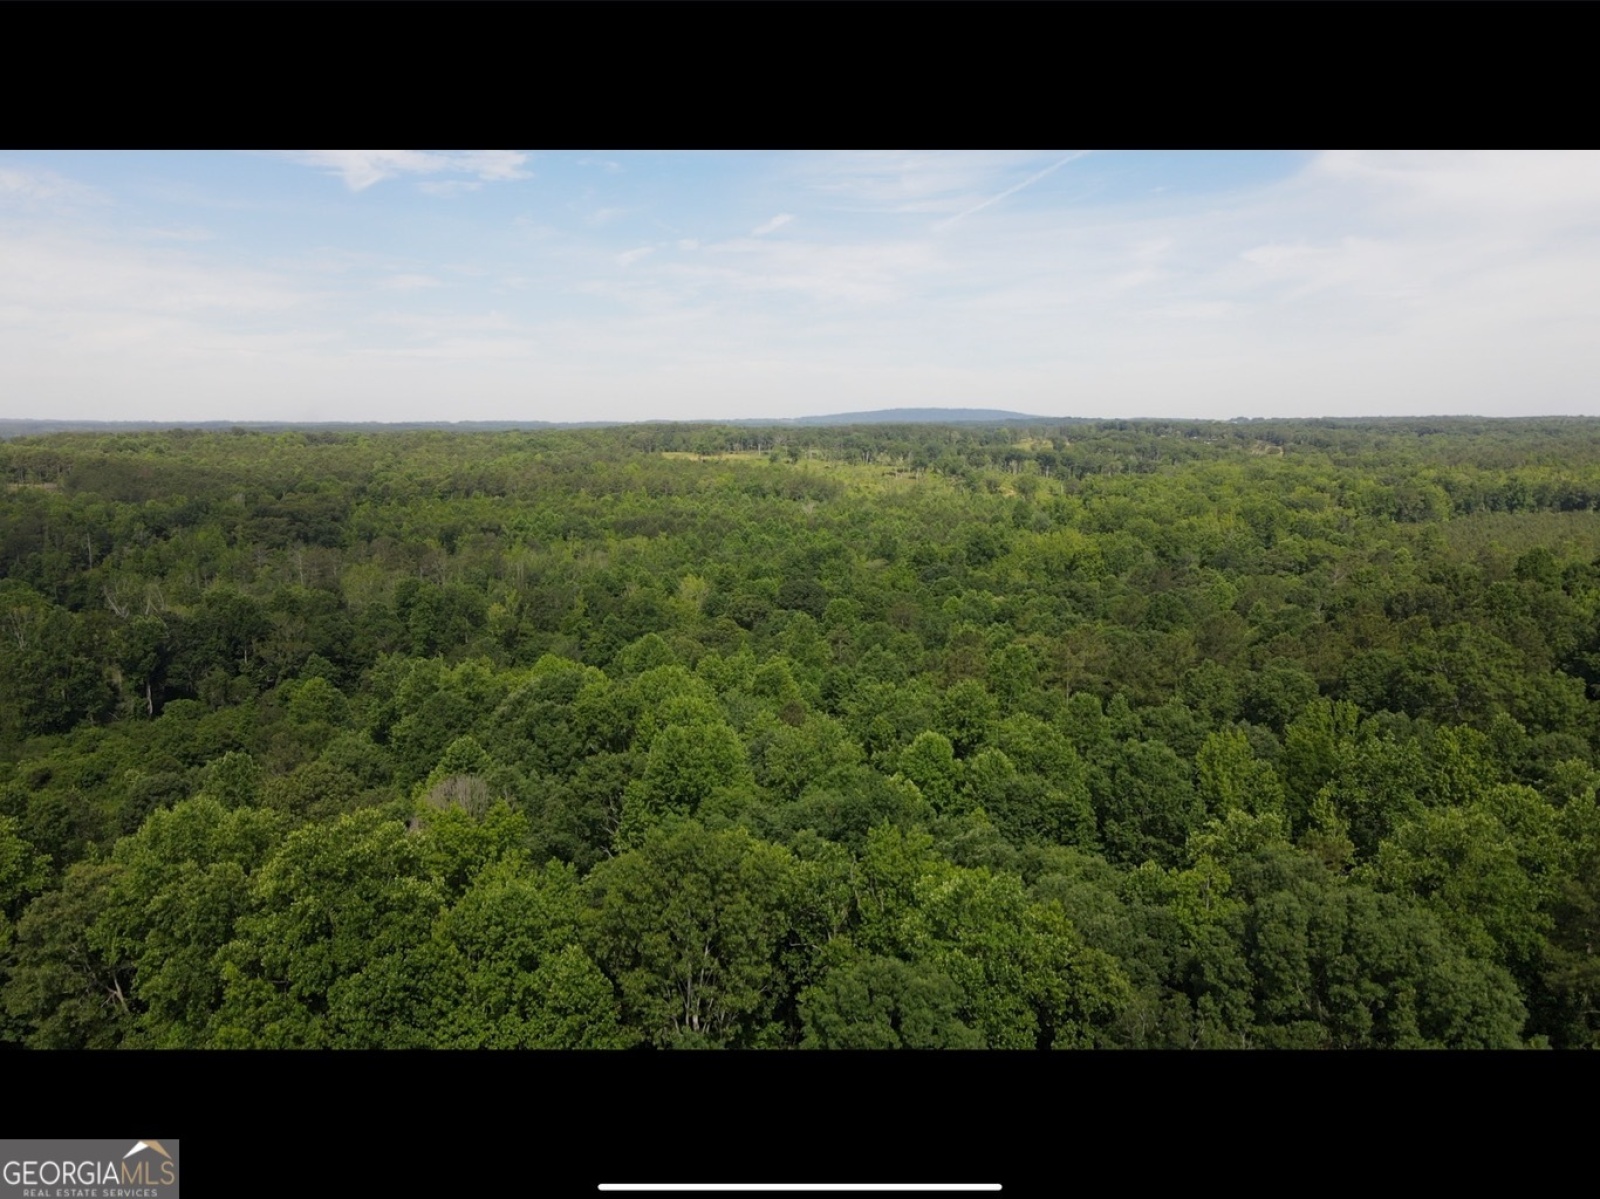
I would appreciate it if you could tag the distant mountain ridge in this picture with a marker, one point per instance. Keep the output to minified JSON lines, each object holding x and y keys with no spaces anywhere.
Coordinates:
{"x":913,"y":416}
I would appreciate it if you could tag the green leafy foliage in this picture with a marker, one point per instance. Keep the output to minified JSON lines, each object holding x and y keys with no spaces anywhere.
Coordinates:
{"x":690,"y":925}
{"x":1078,"y":733}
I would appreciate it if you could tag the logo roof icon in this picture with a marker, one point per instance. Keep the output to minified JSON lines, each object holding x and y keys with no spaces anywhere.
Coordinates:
{"x":156,"y":1145}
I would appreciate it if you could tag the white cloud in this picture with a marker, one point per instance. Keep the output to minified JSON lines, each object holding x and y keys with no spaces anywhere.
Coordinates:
{"x":633,"y":256}
{"x":437,"y":325}
{"x":777,"y":222}
{"x":360,"y":169}
{"x":67,"y":277}
{"x":1557,"y":185}
{"x":32,"y":184}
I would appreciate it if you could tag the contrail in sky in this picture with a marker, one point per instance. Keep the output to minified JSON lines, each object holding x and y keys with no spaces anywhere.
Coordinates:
{"x":1010,"y":191}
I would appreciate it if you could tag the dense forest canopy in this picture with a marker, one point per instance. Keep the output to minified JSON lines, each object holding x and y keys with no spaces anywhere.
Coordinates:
{"x":1091,"y":733}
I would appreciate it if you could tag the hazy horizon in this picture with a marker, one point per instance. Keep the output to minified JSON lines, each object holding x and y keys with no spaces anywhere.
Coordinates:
{"x":406,"y":287}
{"x":883,"y":417}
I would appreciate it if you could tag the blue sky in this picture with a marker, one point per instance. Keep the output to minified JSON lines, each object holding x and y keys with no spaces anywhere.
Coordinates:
{"x":496,"y":285}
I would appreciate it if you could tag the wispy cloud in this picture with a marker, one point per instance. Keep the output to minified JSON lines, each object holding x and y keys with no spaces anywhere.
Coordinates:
{"x":909,"y":181}
{"x":31,"y":184}
{"x":360,"y":169}
{"x":829,"y":272}
{"x":1339,"y":283}
{"x":777,"y":222}
{"x":65,"y":277}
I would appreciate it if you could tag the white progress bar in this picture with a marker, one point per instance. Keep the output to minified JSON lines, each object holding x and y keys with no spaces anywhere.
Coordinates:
{"x":800,"y":1186}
